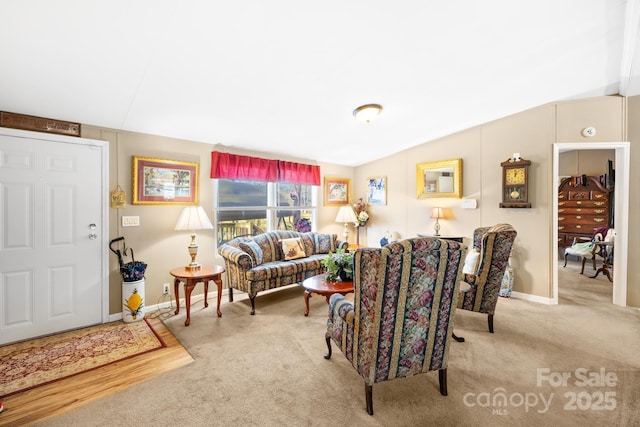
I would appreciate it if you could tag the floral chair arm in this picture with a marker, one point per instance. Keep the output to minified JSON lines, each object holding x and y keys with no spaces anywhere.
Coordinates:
{"x":342,"y":308}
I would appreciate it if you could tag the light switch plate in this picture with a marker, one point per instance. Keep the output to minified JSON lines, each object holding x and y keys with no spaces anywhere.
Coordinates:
{"x":130,"y":221}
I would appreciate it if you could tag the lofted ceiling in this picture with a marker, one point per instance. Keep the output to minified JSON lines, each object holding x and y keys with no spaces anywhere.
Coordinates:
{"x":284,"y":76}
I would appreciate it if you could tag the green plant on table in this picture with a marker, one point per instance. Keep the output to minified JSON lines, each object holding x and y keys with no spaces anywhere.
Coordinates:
{"x":339,"y":265}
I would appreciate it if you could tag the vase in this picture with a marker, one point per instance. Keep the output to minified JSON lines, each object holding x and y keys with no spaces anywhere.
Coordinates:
{"x":507,"y":281}
{"x":343,"y":275}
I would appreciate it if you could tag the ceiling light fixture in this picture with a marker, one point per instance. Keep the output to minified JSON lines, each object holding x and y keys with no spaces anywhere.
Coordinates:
{"x":368,"y":112}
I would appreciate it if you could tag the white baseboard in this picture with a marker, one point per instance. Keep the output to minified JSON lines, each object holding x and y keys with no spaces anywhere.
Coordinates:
{"x":212,"y":296}
{"x":533,"y":298}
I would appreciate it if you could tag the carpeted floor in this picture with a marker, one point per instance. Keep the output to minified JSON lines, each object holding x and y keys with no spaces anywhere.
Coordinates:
{"x":269,"y":370}
{"x":33,"y":363}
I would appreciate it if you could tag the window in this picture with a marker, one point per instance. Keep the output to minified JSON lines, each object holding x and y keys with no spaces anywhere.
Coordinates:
{"x":250,"y":208}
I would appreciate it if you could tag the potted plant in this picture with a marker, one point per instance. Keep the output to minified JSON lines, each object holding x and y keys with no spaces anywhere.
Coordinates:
{"x":339,"y":266}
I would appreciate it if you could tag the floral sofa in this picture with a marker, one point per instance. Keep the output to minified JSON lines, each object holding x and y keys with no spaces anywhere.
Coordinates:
{"x":274,"y":259}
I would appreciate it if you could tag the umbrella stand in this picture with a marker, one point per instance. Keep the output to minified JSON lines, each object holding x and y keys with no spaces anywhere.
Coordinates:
{"x":132,"y":281}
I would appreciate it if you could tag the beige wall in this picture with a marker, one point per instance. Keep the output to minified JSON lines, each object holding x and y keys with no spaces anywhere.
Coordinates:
{"x":585,"y":162}
{"x":531,"y":133}
{"x":633,"y":272}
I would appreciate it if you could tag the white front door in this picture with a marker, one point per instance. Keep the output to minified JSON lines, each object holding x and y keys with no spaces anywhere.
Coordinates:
{"x":51,"y":235}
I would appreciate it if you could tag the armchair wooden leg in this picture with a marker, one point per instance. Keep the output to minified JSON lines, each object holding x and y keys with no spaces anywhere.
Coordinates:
{"x":583,"y":261}
{"x":328,"y":355}
{"x":490,"y":320}
{"x":565,"y":260}
{"x":230,"y":294}
{"x":253,"y":305}
{"x":368,"y":395}
{"x":442,"y":378}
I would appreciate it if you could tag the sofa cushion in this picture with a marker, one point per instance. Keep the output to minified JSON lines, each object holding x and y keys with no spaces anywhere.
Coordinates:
{"x":325,"y":243}
{"x":268,"y":243}
{"x":253,"y":249}
{"x":309,"y":243}
{"x":292,"y":248}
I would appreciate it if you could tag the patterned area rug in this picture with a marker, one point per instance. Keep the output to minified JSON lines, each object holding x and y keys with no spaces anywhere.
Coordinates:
{"x":33,"y":363}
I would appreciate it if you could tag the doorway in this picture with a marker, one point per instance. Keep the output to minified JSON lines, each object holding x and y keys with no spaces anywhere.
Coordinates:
{"x":621,"y":213}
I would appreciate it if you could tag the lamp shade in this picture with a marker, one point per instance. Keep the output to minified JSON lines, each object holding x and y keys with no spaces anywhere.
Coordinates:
{"x":346,"y":214}
{"x":367,"y":113}
{"x":193,"y":218}
{"x":437,"y":213}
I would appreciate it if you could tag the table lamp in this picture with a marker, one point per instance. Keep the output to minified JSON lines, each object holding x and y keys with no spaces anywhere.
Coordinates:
{"x":193,"y":218}
{"x":346,"y":214}
{"x":437,"y":214}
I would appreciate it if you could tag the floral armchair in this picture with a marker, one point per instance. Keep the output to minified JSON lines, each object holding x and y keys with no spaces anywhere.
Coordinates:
{"x":400,"y":322}
{"x":489,"y":259}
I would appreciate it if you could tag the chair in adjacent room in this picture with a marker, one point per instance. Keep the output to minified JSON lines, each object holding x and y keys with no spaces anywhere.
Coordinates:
{"x":400,"y":321}
{"x":493,"y":247}
{"x":587,"y":249}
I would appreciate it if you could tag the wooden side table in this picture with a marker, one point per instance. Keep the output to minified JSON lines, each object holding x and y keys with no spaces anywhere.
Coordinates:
{"x":190,"y":279}
{"x":319,"y":285}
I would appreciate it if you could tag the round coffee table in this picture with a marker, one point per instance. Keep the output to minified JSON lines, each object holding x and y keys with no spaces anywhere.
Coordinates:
{"x":319,"y":285}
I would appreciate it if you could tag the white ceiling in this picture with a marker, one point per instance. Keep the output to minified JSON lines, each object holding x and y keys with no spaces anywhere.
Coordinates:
{"x":283,"y":76}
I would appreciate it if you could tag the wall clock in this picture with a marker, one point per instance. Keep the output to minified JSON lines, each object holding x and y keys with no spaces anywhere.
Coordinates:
{"x":515,"y":184}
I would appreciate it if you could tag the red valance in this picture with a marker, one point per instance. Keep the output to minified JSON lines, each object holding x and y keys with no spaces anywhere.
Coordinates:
{"x":298,"y":173}
{"x":234,"y":166}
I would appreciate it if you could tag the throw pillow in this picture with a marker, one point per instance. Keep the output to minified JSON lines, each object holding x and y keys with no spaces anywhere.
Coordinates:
{"x":308,"y":242}
{"x":253,"y":249}
{"x":325,"y":243}
{"x":471,"y":262}
{"x":292,"y":248}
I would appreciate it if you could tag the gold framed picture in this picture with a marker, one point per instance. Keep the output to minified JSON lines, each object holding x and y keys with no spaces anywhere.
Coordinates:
{"x":164,"y":182}
{"x":439,"y":179}
{"x":337,"y":191}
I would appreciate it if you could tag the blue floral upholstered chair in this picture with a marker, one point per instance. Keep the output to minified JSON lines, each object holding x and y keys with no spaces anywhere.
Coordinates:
{"x":400,"y":322}
{"x":492,"y":247}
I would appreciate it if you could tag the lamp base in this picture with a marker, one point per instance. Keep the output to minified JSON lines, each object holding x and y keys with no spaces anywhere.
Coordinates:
{"x":436,"y":228}
{"x":194,"y":266}
{"x":193,"y":251}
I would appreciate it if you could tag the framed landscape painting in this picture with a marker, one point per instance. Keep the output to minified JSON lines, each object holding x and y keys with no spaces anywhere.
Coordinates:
{"x":377,"y":190}
{"x":164,"y":182}
{"x":337,"y":191}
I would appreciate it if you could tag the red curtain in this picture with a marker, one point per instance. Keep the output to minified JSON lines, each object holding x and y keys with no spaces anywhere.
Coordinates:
{"x":298,"y":173}
{"x":234,"y":166}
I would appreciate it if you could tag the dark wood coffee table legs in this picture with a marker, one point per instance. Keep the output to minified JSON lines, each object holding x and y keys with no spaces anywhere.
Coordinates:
{"x":319,"y":285}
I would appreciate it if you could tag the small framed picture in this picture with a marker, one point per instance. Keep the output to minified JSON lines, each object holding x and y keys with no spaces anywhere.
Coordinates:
{"x":377,"y":190}
{"x":337,"y":191}
{"x":164,"y":182}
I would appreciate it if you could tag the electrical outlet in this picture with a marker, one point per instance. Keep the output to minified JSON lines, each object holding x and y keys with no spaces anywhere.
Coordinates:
{"x":165,"y":288}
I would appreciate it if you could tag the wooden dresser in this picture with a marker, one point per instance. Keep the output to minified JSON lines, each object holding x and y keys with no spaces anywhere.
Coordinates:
{"x":583,"y":206}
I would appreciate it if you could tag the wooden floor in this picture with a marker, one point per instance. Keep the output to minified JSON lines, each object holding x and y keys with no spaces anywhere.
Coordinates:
{"x":68,"y":394}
